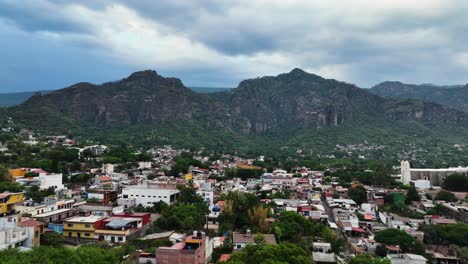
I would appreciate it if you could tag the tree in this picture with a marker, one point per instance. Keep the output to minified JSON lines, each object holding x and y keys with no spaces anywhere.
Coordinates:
{"x":446,"y":234}
{"x":258,"y":216}
{"x":6,"y":186}
{"x":381,"y":251}
{"x":398,"y":237}
{"x":52,"y":239}
{"x":292,"y":227}
{"x":366,"y":259}
{"x":412,"y":195}
{"x":259,"y":239}
{"x":4,"y":176}
{"x":283,"y":253}
{"x":38,"y":195}
{"x":358,"y":194}
{"x":446,"y":196}
{"x":456,"y":183}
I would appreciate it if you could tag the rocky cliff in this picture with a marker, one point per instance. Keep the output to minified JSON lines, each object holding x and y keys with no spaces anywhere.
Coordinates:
{"x":294,"y":100}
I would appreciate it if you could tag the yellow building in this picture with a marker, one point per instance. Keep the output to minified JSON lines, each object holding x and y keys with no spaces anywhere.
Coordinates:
{"x":15,"y":173}
{"x":82,"y":227}
{"x":8,"y":201}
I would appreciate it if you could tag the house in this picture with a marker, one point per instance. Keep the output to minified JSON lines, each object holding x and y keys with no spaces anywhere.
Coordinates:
{"x":148,"y":194}
{"x":323,"y":258}
{"x":123,"y":226}
{"x":406,"y":259}
{"x":12,"y":235}
{"x":34,"y":229}
{"x":192,"y":250}
{"x":54,"y":216}
{"x":82,"y":227}
{"x":241,"y":240}
{"x":8,"y":201}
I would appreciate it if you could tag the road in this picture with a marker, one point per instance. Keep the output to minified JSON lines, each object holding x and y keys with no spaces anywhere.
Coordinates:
{"x":339,"y":232}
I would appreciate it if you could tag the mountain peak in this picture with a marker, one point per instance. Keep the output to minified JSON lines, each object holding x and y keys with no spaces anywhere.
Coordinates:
{"x":297,"y":71}
{"x":297,"y":74}
{"x":146,"y":74}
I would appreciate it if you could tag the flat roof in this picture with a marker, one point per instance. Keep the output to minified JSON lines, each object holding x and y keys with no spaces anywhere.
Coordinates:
{"x":324,"y":257}
{"x":464,"y":169}
{"x":85,"y":219}
{"x":59,"y":211}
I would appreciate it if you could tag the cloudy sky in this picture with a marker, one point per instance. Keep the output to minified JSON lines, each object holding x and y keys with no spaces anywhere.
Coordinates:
{"x":50,"y":44}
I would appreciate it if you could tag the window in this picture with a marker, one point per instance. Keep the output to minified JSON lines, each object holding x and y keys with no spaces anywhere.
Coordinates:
{"x":239,"y":246}
{"x":87,"y":234}
{"x":36,"y":234}
{"x":142,"y":196}
{"x":70,"y":225}
{"x":125,"y":196}
{"x":120,"y":238}
{"x":87,"y":226}
{"x":137,"y":195}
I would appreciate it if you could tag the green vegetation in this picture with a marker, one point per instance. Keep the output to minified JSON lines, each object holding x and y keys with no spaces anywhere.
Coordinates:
{"x":6,"y":186}
{"x":446,"y":234}
{"x":456,"y":183}
{"x":235,"y":215}
{"x":398,"y":237}
{"x":412,"y":195}
{"x":293,"y":227}
{"x":283,"y":253}
{"x":38,"y":195}
{"x":446,"y":196}
{"x":244,"y":174}
{"x":183,"y":162}
{"x":87,"y":254}
{"x":187,"y":215}
{"x":52,"y":239}
{"x":358,"y":194}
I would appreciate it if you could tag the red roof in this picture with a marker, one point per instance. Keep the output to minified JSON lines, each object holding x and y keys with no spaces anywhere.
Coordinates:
{"x":393,"y":248}
{"x":105,"y":178}
{"x":39,"y":171}
{"x":3,"y":195}
{"x":30,"y":223}
{"x":356,"y":229}
{"x":224,"y":257}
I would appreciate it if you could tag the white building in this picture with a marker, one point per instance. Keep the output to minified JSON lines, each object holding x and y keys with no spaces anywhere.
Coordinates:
{"x":406,"y":259}
{"x":12,"y":236}
{"x":435,"y":176}
{"x":107,"y":168}
{"x":205,"y":191}
{"x":147,"y":194}
{"x":421,"y":184}
{"x":144,"y":165}
{"x":44,"y":181}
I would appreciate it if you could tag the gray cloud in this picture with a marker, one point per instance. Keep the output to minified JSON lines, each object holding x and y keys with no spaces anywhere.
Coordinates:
{"x":219,"y":43}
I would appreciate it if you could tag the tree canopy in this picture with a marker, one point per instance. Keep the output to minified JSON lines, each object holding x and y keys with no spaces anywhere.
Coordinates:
{"x":446,"y":196}
{"x":406,"y":242}
{"x":283,"y":253}
{"x":456,"y":183}
{"x":358,"y":194}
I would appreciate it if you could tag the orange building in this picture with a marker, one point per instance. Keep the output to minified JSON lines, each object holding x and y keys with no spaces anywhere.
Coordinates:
{"x":37,"y":228}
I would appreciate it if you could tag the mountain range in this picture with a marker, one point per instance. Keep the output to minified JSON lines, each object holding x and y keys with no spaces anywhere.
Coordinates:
{"x":455,"y":96}
{"x":16,"y":98}
{"x":295,"y":109}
